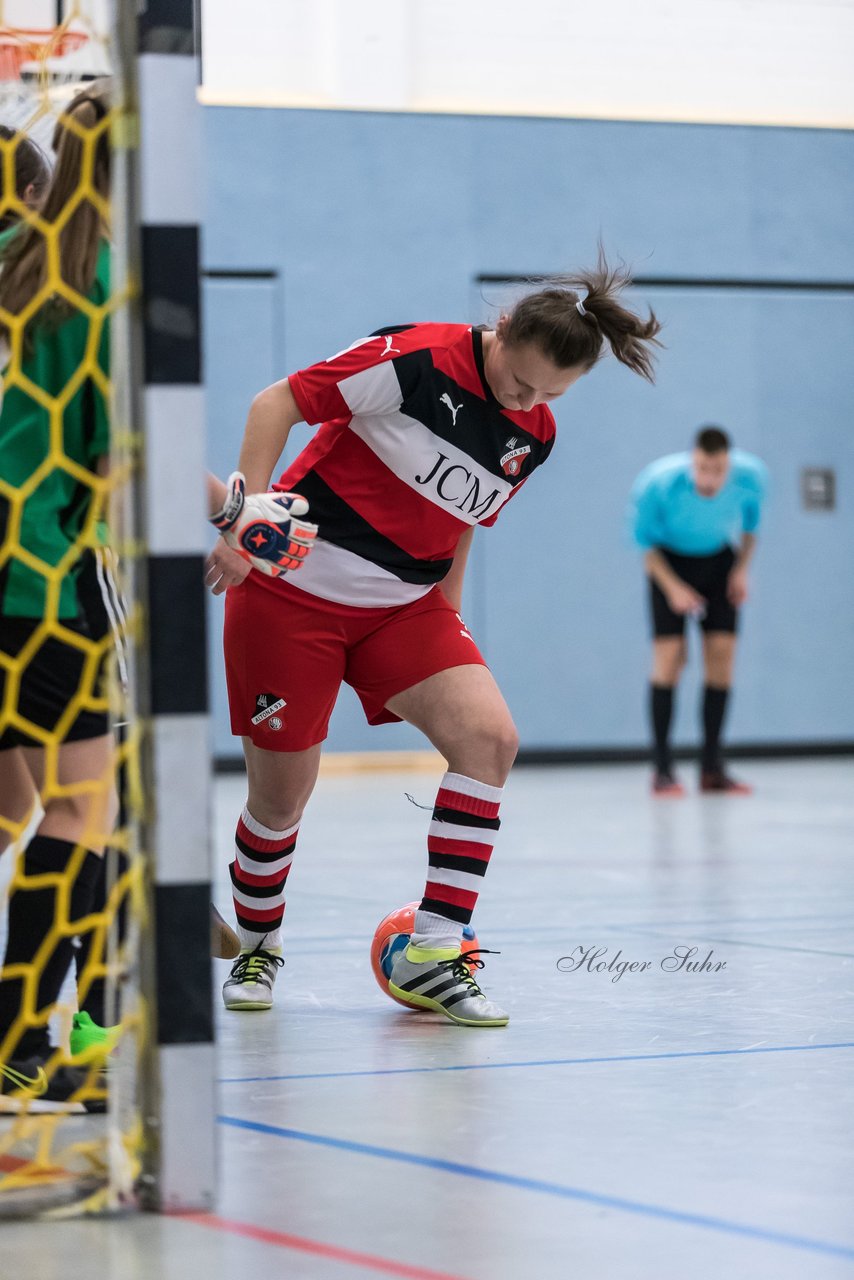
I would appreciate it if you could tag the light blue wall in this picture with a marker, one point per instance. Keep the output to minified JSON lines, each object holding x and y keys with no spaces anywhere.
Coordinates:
{"x":372,"y":219}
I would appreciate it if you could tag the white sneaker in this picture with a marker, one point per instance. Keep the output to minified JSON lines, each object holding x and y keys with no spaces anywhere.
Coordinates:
{"x":250,"y":983}
{"x":441,"y":979}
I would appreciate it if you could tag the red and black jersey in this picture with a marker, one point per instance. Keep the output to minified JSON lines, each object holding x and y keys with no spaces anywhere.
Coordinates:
{"x":413,"y":449}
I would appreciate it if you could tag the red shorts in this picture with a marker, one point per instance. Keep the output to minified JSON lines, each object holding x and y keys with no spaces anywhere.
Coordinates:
{"x":287,"y":652}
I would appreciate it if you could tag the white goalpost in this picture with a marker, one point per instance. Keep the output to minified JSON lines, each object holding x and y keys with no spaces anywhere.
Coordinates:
{"x":154,"y":1147}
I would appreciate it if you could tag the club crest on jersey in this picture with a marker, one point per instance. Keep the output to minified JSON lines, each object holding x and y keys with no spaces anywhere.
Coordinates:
{"x":511,"y":463}
{"x":266,"y":706}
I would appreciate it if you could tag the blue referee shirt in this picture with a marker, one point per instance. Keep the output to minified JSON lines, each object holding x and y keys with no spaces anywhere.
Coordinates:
{"x":667,"y":511}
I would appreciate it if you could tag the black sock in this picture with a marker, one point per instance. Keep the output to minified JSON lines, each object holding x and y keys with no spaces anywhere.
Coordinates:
{"x":31,"y":913}
{"x":661,"y":713}
{"x":714,"y":709}
{"x":114,"y":864}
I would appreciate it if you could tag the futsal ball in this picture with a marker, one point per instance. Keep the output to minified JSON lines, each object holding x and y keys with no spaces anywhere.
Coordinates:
{"x":392,"y":936}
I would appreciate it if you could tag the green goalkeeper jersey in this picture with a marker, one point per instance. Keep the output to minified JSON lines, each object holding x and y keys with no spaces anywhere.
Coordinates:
{"x":53,"y":514}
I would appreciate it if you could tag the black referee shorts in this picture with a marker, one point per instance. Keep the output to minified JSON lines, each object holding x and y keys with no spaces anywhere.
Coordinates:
{"x":708,"y":576}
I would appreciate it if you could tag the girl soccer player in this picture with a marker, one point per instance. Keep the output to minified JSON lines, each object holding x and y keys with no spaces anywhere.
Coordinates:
{"x":427,"y":430}
{"x":32,"y":175}
{"x":52,"y":683}
{"x":53,"y":518}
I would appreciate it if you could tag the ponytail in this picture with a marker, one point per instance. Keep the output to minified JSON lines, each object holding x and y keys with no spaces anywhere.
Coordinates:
{"x":572,"y":330}
{"x":30,"y":171}
{"x":82,"y":173}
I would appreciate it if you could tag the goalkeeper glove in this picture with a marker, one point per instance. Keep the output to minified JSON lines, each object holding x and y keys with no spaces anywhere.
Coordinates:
{"x":267,"y":529}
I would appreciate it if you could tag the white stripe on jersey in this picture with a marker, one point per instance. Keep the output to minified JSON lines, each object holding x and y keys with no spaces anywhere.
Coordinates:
{"x":374,"y":390}
{"x":115,"y":609}
{"x":360,"y":342}
{"x":333,"y":573}
{"x":438,"y":471}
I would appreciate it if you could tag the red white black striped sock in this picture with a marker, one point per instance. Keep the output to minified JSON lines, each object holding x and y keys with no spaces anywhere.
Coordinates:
{"x":259,"y":873}
{"x":459,"y":844}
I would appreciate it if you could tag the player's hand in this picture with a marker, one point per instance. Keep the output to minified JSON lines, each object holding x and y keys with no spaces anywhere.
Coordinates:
{"x":737,"y":589}
{"x":268,"y":529}
{"x":225,"y":568}
{"x":684,"y":599}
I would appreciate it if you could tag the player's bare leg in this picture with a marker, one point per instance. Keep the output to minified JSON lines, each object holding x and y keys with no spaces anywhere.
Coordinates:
{"x":78,"y":793}
{"x":719,"y":658}
{"x":463,"y":714}
{"x":668,"y":659}
{"x":280,"y":784}
{"x":18,"y":796}
{"x":718,"y":661}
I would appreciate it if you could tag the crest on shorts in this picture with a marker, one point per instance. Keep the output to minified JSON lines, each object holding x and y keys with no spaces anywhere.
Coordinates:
{"x":511,"y":463}
{"x":266,"y":706}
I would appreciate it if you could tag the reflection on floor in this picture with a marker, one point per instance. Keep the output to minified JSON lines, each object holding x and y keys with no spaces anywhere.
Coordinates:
{"x":672,"y":1095}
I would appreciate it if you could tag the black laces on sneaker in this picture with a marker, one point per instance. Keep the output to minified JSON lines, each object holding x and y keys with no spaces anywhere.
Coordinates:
{"x":461,"y":966}
{"x":253,"y":965}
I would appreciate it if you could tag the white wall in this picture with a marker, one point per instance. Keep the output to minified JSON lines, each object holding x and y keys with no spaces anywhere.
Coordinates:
{"x":732,"y":61}
{"x":42,"y":13}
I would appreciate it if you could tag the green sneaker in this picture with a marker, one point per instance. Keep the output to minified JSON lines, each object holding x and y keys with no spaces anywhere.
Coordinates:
{"x":88,"y":1039}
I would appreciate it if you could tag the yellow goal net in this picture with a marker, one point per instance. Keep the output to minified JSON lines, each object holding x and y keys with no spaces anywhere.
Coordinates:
{"x":85,"y":1151}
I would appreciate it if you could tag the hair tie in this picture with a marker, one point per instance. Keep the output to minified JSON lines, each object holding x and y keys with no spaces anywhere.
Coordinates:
{"x":580,"y":308}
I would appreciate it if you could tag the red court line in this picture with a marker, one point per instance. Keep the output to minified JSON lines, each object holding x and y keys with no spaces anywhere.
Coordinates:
{"x":11,"y":1164}
{"x":315,"y":1247}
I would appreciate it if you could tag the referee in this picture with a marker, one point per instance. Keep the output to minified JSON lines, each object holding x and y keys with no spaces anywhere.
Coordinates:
{"x":696,"y":515}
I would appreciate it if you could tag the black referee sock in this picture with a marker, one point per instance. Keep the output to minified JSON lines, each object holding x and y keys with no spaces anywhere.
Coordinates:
{"x":661,"y":713}
{"x":31,"y":913}
{"x":114,"y":864}
{"x":714,"y":710}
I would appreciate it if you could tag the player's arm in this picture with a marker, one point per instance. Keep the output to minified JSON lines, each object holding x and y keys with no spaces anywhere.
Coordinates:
{"x":273,"y":413}
{"x":287,"y":539}
{"x":745,"y":551}
{"x":738,"y":587}
{"x":452,"y":584}
{"x":224,"y":567}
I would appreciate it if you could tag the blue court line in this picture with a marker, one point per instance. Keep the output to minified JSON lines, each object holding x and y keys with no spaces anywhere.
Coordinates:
{"x":535,"y":931}
{"x":846,"y":917}
{"x":740,"y":942}
{"x":538,"y":1062}
{"x":551,"y":1189}
{"x":629,"y":931}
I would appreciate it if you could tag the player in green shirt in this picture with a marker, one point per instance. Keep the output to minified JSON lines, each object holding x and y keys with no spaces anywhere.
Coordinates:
{"x":54,"y":436}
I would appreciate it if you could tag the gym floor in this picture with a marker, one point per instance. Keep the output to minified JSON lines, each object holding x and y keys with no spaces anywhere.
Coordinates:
{"x":629,"y":1123}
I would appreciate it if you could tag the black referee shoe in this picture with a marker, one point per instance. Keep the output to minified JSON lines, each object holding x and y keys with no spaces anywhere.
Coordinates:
{"x":665,"y":784}
{"x":26,"y":1086}
{"x":720,"y":781}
